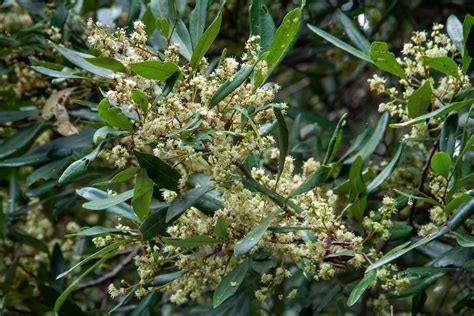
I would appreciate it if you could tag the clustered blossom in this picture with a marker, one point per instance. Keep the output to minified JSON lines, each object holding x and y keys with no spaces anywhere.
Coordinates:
{"x":379,"y":223}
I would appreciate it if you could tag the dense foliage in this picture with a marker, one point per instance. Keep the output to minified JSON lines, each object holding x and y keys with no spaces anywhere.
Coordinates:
{"x":204,"y":157}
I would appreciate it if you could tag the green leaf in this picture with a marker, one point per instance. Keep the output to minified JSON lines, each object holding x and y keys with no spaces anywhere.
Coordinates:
{"x":125,"y":175}
{"x":121,"y":209}
{"x":261,"y":23}
{"x":399,"y":230}
{"x":419,"y":101}
{"x":455,"y":32}
{"x":197,"y":21}
{"x":191,"y":242}
{"x":184,"y":202}
{"x":354,"y":34}
{"x":340,"y":44}
{"x":79,"y":59}
{"x":335,"y":140}
{"x":206,"y":41}
{"x":104,"y":132}
{"x":160,"y":172}
{"x":108,"y":63}
{"x":420,"y":198}
{"x":419,"y":286}
{"x":371,"y":144}
{"x":244,"y":245}
{"x":387,"y":171}
{"x":54,"y":73}
{"x":230,"y":85}
{"x":17,"y":115}
{"x":154,"y":225}
{"x":25,"y":160}
{"x":368,"y":280}
{"x":190,"y":126}
{"x":464,"y":212}
{"x":385,"y":60}
{"x":282,"y":140}
{"x":21,"y":139}
{"x":155,"y":70}
{"x":72,"y":286}
{"x":95,"y":231}
{"x":464,"y":240}
{"x":220,"y":230}
{"x":435,"y":114}
{"x":442,"y":64}
{"x":284,"y":38}
{"x":456,"y":202}
{"x":467,"y":31}
{"x":313,"y":180}
{"x":102,"y":204}
{"x":47,"y":171}
{"x":140,"y":99}
{"x":441,"y":164}
{"x":230,"y":284}
{"x":448,"y":136}
{"x":142,"y":195}
{"x":181,"y":36}
{"x":79,"y":167}
{"x":114,"y":116}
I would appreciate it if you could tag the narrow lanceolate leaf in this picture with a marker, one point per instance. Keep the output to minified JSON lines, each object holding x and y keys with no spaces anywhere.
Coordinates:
{"x":230,"y":284}
{"x":455,"y":32}
{"x":461,"y":215}
{"x":159,"y":171}
{"x":442,"y":64}
{"x":142,"y":195}
{"x":282,"y":42}
{"x":261,"y":23}
{"x":335,"y":141}
{"x":78,"y":59}
{"x":314,"y":179}
{"x":180,"y":35}
{"x":108,"y":63}
{"x":206,"y":41}
{"x":54,"y":73}
{"x":386,"y":172}
{"x":340,"y":44}
{"x":197,"y":21}
{"x":447,"y":141}
{"x":105,"y":203}
{"x":79,"y":167}
{"x":464,"y":240}
{"x":230,"y":85}
{"x":140,"y":99}
{"x":419,"y":101}
{"x":191,"y":242}
{"x":368,"y":280}
{"x":155,"y":70}
{"x":154,"y":225}
{"x":354,"y":34}
{"x":47,"y":171}
{"x":244,"y":245}
{"x":184,"y":202}
{"x":420,"y":286}
{"x":435,"y":114}
{"x":441,"y":164}
{"x":20,"y":140}
{"x":106,"y":131}
{"x":114,"y":116}
{"x":385,"y":60}
{"x":371,"y":144}
{"x":468,"y":32}
{"x":282,"y":140}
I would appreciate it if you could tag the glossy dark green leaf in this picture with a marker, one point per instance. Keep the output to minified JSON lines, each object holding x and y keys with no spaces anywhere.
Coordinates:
{"x":467,"y":28}
{"x":230,"y":284}
{"x":441,"y":164}
{"x":368,"y":280}
{"x":140,"y":99}
{"x":154,"y":225}
{"x":104,"y":132}
{"x":340,"y":44}
{"x":447,"y":141}
{"x":230,"y":85}
{"x":108,"y":63}
{"x":455,"y":32}
{"x":197,"y":21}
{"x":17,"y":115}
{"x":159,"y":171}
{"x":282,"y":140}
{"x":434,"y":114}
{"x":114,"y":116}
{"x":354,"y":34}
{"x":261,"y":23}
{"x":191,"y":242}
{"x":184,"y":202}
{"x":385,"y":60}
{"x":20,"y":139}
{"x":464,"y":240}
{"x":79,"y":167}
{"x":155,"y":70}
{"x":108,"y":202}
{"x":445,"y":65}
{"x":335,"y":140}
{"x":78,"y":59}
{"x":313,"y":180}
{"x":206,"y":41}
{"x":386,"y":172}
{"x":142,"y":195}
{"x":47,"y":171}
{"x":250,"y":240}
{"x":25,"y":160}
{"x":419,"y":101}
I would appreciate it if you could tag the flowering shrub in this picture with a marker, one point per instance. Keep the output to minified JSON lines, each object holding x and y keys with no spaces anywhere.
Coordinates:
{"x":147,"y":162}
